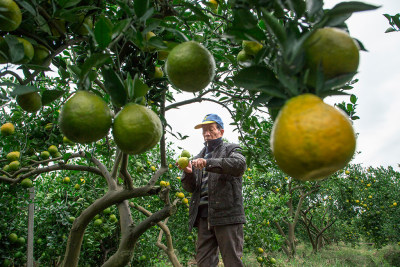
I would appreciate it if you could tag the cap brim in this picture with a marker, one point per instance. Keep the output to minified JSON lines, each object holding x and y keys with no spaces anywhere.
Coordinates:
{"x":198,"y":126}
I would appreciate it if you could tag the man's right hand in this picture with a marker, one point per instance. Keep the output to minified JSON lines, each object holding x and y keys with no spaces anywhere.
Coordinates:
{"x":188,"y":169}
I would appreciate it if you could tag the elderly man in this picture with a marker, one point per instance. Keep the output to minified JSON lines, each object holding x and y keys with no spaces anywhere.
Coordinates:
{"x":214,"y":177}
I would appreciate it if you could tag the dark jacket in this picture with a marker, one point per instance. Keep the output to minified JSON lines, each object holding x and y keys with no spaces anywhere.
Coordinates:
{"x":225,"y":201}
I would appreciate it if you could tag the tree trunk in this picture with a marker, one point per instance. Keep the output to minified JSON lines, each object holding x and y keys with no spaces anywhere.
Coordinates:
{"x":31,"y":211}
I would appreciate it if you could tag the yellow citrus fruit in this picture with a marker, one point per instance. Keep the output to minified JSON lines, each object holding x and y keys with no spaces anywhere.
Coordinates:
{"x":243,"y":57}
{"x":260,"y":250}
{"x":66,"y":179}
{"x":185,"y":153}
{"x":28,"y":51}
{"x":14,"y":165}
{"x":14,"y":155}
{"x":185,"y":201}
{"x":45,"y":154}
{"x":10,"y":15}
{"x":136,"y":129}
{"x":310,"y":139}
{"x":251,"y":48}
{"x":163,"y":183}
{"x":30,"y":102}
{"x":332,"y":49}
{"x":180,"y":195}
{"x":85,"y":118}
{"x":149,"y":35}
{"x":213,"y":4}
{"x":41,"y":53}
{"x":153,"y":168}
{"x":158,"y":73}
{"x":7,"y":129}
{"x":183,"y":162}
{"x":27,"y":183}
{"x":52,"y":150}
{"x":98,"y":222}
{"x":77,"y":186}
{"x":190,"y":66}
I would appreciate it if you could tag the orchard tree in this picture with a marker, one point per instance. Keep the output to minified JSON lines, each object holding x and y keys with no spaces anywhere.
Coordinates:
{"x":80,"y":68}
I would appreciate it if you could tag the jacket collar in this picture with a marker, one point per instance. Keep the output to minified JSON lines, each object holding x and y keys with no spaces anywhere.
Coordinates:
{"x":212,"y":144}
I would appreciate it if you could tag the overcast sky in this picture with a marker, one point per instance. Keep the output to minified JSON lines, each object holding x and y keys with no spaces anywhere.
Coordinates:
{"x":378,"y":92}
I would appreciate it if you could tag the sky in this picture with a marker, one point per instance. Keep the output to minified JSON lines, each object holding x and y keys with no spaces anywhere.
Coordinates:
{"x":378,"y":92}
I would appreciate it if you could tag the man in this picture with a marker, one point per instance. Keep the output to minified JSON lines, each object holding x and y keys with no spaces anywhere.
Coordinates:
{"x":214,"y":177}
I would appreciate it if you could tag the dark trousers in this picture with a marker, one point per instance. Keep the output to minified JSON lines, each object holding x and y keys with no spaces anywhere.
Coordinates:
{"x":229,"y":240}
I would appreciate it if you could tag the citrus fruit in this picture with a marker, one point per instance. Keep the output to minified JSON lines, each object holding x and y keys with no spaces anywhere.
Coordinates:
{"x":10,"y":15}
{"x":260,"y":259}
{"x":61,"y":26}
{"x":41,"y":53}
{"x":333,"y":50}
{"x":185,"y":153}
{"x":98,"y":222}
{"x":213,"y":4}
{"x":30,"y":102}
{"x":6,"y":168}
{"x":163,"y":183}
{"x":48,"y":126}
{"x":67,"y":141}
{"x":162,"y":55}
{"x":158,"y":73}
{"x":77,"y":186}
{"x":310,"y":139}
{"x":14,"y":155}
{"x":260,"y":250}
{"x":7,"y":129}
{"x":13,"y":237}
{"x":251,"y":48}
{"x":85,"y":118}
{"x":66,"y":180}
{"x":83,"y":24}
{"x":21,"y":240}
{"x":113,"y":218}
{"x":136,"y":129}
{"x":183,"y":162}
{"x":272,"y":260}
{"x":107,"y":211}
{"x":52,"y":150}
{"x":185,"y":201}
{"x":71,"y":219}
{"x":27,"y":183}
{"x":45,"y":154}
{"x":190,"y":66}
{"x":243,"y":57}
{"x":14,"y":165}
{"x":180,"y":195}
{"x":28,"y":51}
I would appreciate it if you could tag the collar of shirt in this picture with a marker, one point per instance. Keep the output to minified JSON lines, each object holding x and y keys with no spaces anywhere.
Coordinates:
{"x":212,"y":144}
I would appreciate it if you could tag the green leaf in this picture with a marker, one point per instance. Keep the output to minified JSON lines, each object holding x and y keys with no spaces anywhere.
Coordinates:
{"x":49,"y":96}
{"x":274,"y":26}
{"x":353,"y":99}
{"x":68,"y":3}
{"x":140,"y":89}
{"x":66,"y":157}
{"x":338,"y":81}
{"x":245,"y":26}
{"x":255,"y":76}
{"x":15,"y":48}
{"x":157,"y":42}
{"x":94,"y":61}
{"x":198,"y":13}
{"x":350,"y":7}
{"x":314,"y":6}
{"x":21,"y":89}
{"x":129,"y":86}
{"x":114,"y":86}
{"x":140,"y":7}
{"x":103,"y":32}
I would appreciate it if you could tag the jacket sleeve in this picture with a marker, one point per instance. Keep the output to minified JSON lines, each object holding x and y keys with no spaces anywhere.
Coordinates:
{"x":234,"y":164}
{"x":189,"y":180}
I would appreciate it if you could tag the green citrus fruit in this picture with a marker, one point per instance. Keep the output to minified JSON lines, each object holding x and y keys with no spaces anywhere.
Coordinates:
{"x":272,"y":260}
{"x":158,"y":73}
{"x":310,"y":139}
{"x":66,"y":180}
{"x":14,"y":165}
{"x":21,"y":241}
{"x":162,"y":55}
{"x":27,"y":183}
{"x":83,"y":22}
{"x":60,"y":24}
{"x":71,"y":219}
{"x":107,"y":211}
{"x":13,"y":237}
{"x":52,"y":150}
{"x":28,"y":51}
{"x":6,"y":168}
{"x":190,"y":66}
{"x":3,"y":51}
{"x":333,"y":50}
{"x":77,"y":186}
{"x":183,"y":162}
{"x":30,"y":102}
{"x":14,"y":155}
{"x":10,"y":15}
{"x":7,"y":129}
{"x":45,"y":154}
{"x":136,"y":129}
{"x":251,"y":48}
{"x":41,"y":53}
{"x":98,"y":222}
{"x":185,"y":153}
{"x":113,"y":218}
{"x":243,"y":57}
{"x":85,"y":118}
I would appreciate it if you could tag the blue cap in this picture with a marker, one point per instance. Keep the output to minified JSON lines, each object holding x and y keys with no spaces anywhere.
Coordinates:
{"x":210,"y":118}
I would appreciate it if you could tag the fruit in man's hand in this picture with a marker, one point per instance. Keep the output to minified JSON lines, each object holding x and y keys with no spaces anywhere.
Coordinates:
{"x":183,"y":162}
{"x":7,"y":129}
{"x":30,"y":102}
{"x":185,"y":153}
{"x":85,"y":118}
{"x":310,"y":139}
{"x":190,"y":66}
{"x":10,"y":15}
{"x":136,"y":129}
{"x":14,"y":155}
{"x":332,"y":50}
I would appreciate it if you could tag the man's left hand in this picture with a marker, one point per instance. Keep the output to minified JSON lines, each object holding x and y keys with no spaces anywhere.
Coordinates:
{"x":199,"y":163}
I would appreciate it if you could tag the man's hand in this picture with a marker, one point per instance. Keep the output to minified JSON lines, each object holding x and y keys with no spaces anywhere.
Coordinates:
{"x":199,"y":163}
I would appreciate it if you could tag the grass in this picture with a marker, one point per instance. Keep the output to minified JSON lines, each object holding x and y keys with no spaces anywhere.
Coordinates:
{"x":336,"y":255}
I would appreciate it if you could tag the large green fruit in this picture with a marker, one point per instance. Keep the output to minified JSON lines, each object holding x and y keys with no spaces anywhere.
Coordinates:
{"x":30,"y":102}
{"x":10,"y":15}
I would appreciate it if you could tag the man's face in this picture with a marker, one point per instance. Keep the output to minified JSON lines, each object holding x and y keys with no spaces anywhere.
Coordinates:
{"x":211,"y":132}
